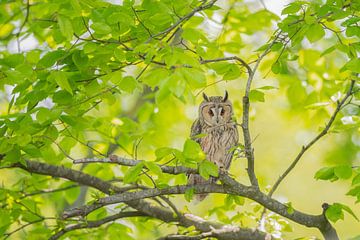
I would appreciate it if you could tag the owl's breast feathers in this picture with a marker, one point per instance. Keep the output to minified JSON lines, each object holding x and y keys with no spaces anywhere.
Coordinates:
{"x":218,"y":142}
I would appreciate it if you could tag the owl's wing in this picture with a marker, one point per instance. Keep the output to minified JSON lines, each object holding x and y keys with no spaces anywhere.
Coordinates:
{"x":233,"y":141}
{"x":195,"y":130}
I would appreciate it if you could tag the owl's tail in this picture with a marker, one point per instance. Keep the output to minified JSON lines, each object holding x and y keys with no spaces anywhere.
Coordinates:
{"x":196,"y":179}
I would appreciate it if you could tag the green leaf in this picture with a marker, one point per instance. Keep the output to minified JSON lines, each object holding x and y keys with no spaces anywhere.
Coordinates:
{"x":193,"y":150}
{"x":61,"y":79}
{"x":194,"y":77}
{"x":32,"y":150}
{"x":277,"y":46}
{"x":350,"y":21}
{"x":334,"y":213}
{"x":51,"y":58}
{"x":72,"y":194}
{"x":348,"y":209}
{"x":326,"y":173}
{"x":191,"y":34}
{"x":80,"y":59}
{"x":132,"y":174}
{"x":62,"y":97}
{"x":43,"y":115}
{"x":315,"y":32}
{"x":5,"y":220}
{"x":352,"y":31}
{"x":29,"y":217}
{"x":317,"y":105}
{"x":153,"y":167}
{"x":256,"y":96}
{"x":128,"y":84}
{"x":160,"y":153}
{"x":329,"y":50}
{"x":290,"y":208}
{"x":343,"y":172}
{"x":276,"y":67}
{"x":119,"y":54}
{"x":232,"y":73}
{"x":66,"y":28}
{"x":23,"y":140}
{"x":353,"y":65}
{"x":13,"y":156}
{"x":189,"y":194}
{"x":356,"y":180}
{"x":101,"y":28}
{"x":291,"y":8}
{"x":207,"y":169}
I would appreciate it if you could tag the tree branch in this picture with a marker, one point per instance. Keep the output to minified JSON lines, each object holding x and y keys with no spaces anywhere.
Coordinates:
{"x":23,"y":24}
{"x":95,"y":224}
{"x":228,"y":232}
{"x":130,"y":162}
{"x":242,"y":62}
{"x":185,"y":18}
{"x":231,"y":187}
{"x":144,"y":207}
{"x":249,"y":151}
{"x":312,"y":142}
{"x":317,"y":221}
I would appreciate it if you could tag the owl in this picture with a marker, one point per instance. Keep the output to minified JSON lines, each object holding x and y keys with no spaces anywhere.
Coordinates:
{"x":219,"y":135}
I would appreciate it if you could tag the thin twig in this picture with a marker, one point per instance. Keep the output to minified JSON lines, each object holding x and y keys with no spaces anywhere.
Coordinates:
{"x":142,"y":24}
{"x":23,"y":24}
{"x":312,"y":142}
{"x":7,"y":235}
{"x":97,"y":223}
{"x":183,"y":19}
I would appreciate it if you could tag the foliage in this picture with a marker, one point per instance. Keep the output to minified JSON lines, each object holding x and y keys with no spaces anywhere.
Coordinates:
{"x":87,"y":79}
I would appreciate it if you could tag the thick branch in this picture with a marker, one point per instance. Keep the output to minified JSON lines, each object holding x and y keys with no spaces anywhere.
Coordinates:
{"x":225,"y":233}
{"x":130,"y":162}
{"x":63,"y":172}
{"x":144,"y":207}
{"x":231,"y":187}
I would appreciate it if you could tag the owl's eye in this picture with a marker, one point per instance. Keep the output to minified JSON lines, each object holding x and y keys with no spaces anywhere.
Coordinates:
{"x":211,"y":113}
{"x":222,"y":112}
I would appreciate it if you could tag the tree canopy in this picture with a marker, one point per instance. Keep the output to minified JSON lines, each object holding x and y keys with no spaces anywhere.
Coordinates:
{"x":97,"y":99}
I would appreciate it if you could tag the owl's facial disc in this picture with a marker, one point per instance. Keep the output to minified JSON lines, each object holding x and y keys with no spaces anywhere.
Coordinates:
{"x":216,"y":114}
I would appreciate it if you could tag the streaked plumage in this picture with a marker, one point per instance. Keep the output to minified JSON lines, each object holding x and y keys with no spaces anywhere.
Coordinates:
{"x":221,"y":135}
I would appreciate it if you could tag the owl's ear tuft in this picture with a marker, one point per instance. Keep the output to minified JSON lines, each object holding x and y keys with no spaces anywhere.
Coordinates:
{"x":205,"y":97}
{"x":225,"y":96}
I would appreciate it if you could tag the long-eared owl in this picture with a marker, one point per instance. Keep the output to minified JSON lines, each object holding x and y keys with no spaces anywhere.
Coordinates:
{"x":220,"y":135}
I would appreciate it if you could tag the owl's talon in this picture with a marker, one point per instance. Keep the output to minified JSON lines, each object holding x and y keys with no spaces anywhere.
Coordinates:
{"x":222,"y":170}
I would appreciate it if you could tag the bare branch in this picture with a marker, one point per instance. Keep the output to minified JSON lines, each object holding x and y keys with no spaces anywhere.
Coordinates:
{"x":7,"y":235}
{"x":134,"y":199}
{"x":130,"y":162}
{"x":185,"y":18}
{"x":142,"y":24}
{"x":231,"y":187}
{"x":249,"y":151}
{"x":317,"y":138}
{"x":242,"y":62}
{"x":95,"y":224}
{"x":227,"y":232}
{"x":23,"y":24}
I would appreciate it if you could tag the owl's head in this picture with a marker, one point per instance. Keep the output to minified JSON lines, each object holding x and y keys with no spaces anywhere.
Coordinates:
{"x":215,"y":110}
